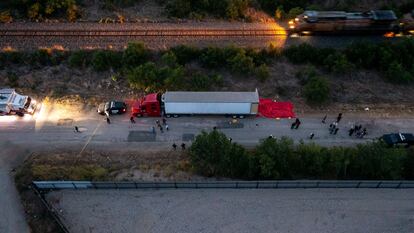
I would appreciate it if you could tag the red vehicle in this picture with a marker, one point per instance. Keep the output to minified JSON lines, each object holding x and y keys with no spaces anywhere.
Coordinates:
{"x":148,"y":106}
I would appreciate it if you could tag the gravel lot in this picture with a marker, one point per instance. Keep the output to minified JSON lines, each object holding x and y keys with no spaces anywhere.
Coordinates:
{"x":295,"y":210}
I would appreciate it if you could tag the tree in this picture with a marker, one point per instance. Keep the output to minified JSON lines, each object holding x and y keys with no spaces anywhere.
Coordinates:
{"x":262,"y":72}
{"x":144,"y":77}
{"x":78,"y":58}
{"x":338,"y":63}
{"x":207,"y":151}
{"x":135,"y":55}
{"x":294,"y":12}
{"x":316,"y":90}
{"x":276,"y":158}
{"x":397,"y":74}
{"x":241,"y":64}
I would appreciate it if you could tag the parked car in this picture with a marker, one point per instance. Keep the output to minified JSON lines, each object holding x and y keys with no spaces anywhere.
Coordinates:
{"x":112,"y":107}
{"x":398,"y":139}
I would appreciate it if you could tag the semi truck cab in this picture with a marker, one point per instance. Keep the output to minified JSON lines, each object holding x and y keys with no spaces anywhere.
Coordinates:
{"x":147,"y":106}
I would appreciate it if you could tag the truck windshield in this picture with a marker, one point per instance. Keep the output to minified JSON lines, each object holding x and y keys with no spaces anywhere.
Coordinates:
{"x":28,"y":101}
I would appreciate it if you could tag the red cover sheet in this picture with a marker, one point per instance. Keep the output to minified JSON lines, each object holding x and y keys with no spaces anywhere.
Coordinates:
{"x":271,"y":109}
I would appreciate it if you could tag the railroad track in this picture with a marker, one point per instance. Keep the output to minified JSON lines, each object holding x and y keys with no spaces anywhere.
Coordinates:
{"x":141,"y":33}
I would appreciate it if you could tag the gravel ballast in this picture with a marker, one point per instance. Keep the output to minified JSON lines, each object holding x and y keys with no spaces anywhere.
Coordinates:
{"x":227,"y":210}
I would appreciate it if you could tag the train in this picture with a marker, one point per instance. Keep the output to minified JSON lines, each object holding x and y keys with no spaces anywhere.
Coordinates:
{"x":335,"y":22}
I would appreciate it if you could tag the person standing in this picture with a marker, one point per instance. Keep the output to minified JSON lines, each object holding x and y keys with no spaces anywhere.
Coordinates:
{"x":132,"y":120}
{"x":324,"y":119}
{"x":293,"y":125}
{"x":311,"y":136}
{"x":351,"y":131}
{"x":108,"y":120}
{"x":338,"y":119}
{"x":164,"y":121}
{"x":174,"y":146}
{"x":336,"y":131}
{"x":161,"y":129}
{"x":77,"y":129}
{"x":166,"y":127}
{"x":153,"y":129}
{"x":297,"y":123}
{"x":183,"y":146}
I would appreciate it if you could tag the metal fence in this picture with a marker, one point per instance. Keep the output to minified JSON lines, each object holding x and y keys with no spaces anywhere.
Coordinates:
{"x":282,"y":184}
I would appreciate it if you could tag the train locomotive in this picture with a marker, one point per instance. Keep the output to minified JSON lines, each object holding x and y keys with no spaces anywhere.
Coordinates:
{"x":332,"y":22}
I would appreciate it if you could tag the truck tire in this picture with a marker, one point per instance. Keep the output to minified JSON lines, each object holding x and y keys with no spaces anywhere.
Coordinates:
{"x":20,"y":114}
{"x":168,"y":116}
{"x":176,"y":116}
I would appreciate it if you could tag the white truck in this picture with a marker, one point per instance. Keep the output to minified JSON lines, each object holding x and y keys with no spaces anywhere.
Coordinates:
{"x":12,"y":103}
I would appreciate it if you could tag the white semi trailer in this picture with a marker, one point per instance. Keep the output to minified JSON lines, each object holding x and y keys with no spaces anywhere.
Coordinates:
{"x":13,"y":103}
{"x":211,"y":103}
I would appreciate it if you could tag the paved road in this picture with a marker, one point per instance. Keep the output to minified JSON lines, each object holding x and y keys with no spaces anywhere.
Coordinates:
{"x":50,"y":133}
{"x":211,"y":210}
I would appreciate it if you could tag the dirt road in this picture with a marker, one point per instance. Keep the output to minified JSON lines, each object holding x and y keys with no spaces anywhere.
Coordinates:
{"x":295,"y":210}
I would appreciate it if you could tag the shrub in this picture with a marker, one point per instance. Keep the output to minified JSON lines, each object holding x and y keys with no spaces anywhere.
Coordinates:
{"x":134,"y":55}
{"x":241,"y":64}
{"x":179,"y":8}
{"x":169,"y":59}
{"x":213,"y":154}
{"x":316,"y":91}
{"x":13,"y":79}
{"x":144,"y":77}
{"x":41,"y":57}
{"x":213,"y":57}
{"x":338,"y":63}
{"x":276,"y":158}
{"x":294,"y":12}
{"x":306,"y":74}
{"x":185,"y":53}
{"x":202,"y":82}
{"x":397,"y":74}
{"x":302,"y":53}
{"x":376,"y":161}
{"x":103,"y":60}
{"x":262,"y":72}
{"x":79,"y":59}
{"x":236,"y":8}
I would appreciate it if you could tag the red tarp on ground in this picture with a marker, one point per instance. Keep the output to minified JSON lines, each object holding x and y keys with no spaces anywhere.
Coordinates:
{"x":270,"y":109}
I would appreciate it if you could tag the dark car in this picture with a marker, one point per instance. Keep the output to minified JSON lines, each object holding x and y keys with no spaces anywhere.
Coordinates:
{"x":398,"y":139}
{"x":112,"y":107}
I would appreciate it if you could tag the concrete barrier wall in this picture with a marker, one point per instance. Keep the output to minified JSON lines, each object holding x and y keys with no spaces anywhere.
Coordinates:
{"x":282,"y":184}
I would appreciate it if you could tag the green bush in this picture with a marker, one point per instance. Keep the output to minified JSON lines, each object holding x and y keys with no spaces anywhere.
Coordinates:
{"x":169,"y":59}
{"x":397,"y":74}
{"x":105,"y":59}
{"x":241,"y":64}
{"x":202,"y":82}
{"x":79,"y":59}
{"x":13,"y":80}
{"x":376,"y":161}
{"x":316,"y":90}
{"x":294,"y":12}
{"x":230,"y":9}
{"x":338,"y":63}
{"x":41,"y":9}
{"x":213,"y":154}
{"x":134,"y":55}
{"x":213,"y":57}
{"x":185,"y":53}
{"x":306,"y":74}
{"x":262,"y":72}
{"x":144,"y":77}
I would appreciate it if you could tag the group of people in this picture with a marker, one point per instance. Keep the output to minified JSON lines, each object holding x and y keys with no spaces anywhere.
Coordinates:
{"x":333,"y":127}
{"x":160,"y":126}
{"x":175,"y":146}
{"x":358,"y":131}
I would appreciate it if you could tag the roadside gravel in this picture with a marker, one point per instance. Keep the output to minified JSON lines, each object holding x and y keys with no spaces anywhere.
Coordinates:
{"x":295,"y":210}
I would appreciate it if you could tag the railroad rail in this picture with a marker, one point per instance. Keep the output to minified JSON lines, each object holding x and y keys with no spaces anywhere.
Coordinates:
{"x":141,"y":32}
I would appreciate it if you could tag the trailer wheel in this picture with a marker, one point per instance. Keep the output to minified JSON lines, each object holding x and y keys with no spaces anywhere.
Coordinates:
{"x":168,"y":116}
{"x":241,"y":116}
{"x":20,"y":114}
{"x":176,"y":115}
